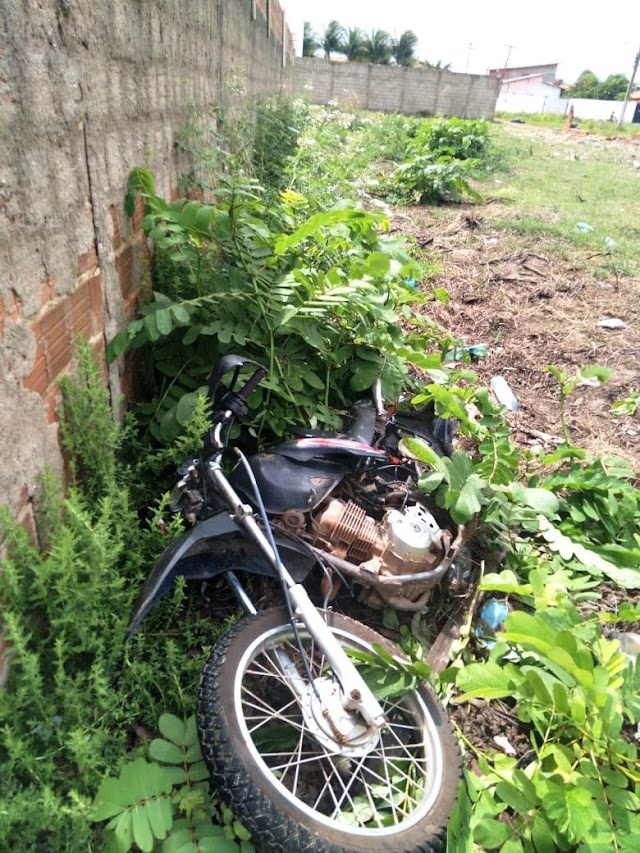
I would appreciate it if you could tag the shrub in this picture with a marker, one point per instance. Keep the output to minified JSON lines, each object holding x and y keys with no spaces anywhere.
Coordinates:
{"x":314,"y":298}
{"x":425,"y":180}
{"x":461,"y":139}
{"x":75,"y":697}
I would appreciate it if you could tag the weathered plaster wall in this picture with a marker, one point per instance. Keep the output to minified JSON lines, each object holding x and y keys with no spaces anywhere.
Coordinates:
{"x":413,"y":91}
{"x":88,"y":90}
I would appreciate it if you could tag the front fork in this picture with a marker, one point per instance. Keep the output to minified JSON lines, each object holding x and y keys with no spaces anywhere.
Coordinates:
{"x":357,"y":696}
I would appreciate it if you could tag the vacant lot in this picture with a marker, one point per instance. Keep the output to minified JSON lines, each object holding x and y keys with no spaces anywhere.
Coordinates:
{"x":525,"y":280}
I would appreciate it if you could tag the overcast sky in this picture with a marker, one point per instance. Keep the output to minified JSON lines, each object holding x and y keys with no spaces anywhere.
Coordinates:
{"x":475,"y":36}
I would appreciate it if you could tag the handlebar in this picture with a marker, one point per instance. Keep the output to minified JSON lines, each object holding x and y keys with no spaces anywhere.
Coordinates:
{"x":235,"y":363}
{"x":252,"y":383}
{"x":233,"y":403}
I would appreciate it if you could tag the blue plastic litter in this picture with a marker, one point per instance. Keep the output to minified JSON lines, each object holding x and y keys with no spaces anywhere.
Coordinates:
{"x":490,"y":620}
{"x":494,"y":613}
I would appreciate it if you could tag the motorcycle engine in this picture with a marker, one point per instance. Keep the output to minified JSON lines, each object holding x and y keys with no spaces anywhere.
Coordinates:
{"x":403,"y":542}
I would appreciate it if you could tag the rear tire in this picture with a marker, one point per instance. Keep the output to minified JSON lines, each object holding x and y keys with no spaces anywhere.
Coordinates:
{"x":294,"y":794}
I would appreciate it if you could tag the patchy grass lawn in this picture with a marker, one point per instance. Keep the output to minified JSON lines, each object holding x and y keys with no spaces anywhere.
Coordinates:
{"x":525,"y":281}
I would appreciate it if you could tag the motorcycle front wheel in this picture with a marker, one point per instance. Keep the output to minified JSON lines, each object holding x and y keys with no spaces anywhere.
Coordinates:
{"x":296,"y":791}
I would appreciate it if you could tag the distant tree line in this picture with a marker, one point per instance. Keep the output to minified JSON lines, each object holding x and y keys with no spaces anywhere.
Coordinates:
{"x":377,"y":47}
{"x":588,"y":86}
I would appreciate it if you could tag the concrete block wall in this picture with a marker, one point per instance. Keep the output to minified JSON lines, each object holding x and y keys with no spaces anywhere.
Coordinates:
{"x":387,"y":88}
{"x":88,"y":90}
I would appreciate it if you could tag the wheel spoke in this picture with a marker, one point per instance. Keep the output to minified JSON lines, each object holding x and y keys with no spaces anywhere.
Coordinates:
{"x":267,"y":713}
{"x":298,"y":762}
{"x":345,"y":788}
{"x":335,"y":774}
{"x":312,"y":757}
{"x":380,"y":788}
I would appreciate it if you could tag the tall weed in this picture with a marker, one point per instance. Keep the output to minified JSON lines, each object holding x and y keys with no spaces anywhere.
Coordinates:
{"x":76,"y":697}
{"x":314,"y":298}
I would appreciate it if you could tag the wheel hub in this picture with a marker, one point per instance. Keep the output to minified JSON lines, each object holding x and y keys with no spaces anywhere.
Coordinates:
{"x":334,"y":726}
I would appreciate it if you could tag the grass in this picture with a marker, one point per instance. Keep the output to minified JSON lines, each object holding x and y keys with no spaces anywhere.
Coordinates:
{"x":566,"y":180}
{"x":595,"y":126}
{"x":555,"y":180}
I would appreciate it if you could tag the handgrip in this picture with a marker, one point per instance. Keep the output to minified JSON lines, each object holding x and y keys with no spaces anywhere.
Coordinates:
{"x":226,"y":364}
{"x":252,"y":383}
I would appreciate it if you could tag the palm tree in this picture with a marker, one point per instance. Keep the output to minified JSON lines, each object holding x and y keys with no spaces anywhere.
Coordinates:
{"x":354,"y":45}
{"x":438,"y":65}
{"x":378,"y":47}
{"x":333,"y":39}
{"x":310,"y":41}
{"x":403,"y":48}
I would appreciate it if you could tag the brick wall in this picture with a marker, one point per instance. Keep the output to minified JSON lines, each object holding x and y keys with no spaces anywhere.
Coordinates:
{"x":413,"y":91}
{"x":88,"y":90}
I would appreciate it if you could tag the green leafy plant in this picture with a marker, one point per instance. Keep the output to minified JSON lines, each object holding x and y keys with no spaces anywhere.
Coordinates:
{"x":279,"y":122}
{"x":253,"y":138}
{"x":588,"y":375}
{"x":462,"y":139}
{"x":314,"y":298}
{"x":75,"y":695}
{"x":600,"y":508}
{"x":443,"y":156}
{"x":425,"y":179}
{"x":627,"y":407}
{"x":167,"y":800}
{"x":570,"y":687}
{"x":457,"y":488}
{"x":387,"y":676}
{"x":88,"y":431}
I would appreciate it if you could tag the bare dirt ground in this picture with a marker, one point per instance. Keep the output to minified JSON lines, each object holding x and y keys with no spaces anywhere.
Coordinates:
{"x":533,"y":310}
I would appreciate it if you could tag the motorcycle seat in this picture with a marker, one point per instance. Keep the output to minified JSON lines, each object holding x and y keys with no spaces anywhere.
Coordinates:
{"x":362,"y":428}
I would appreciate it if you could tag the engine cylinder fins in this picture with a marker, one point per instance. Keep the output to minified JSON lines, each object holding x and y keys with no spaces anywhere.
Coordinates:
{"x":350,"y":525}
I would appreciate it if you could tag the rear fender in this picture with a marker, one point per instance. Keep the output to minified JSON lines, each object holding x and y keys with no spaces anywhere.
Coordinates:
{"x":210,"y":548}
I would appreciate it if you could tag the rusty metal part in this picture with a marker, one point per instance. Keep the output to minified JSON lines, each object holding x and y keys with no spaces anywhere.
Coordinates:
{"x":293,"y":520}
{"x":349,"y":524}
{"x":408,"y":592}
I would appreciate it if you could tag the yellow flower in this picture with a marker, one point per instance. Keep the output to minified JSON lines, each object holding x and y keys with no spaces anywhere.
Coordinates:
{"x":293,"y":198}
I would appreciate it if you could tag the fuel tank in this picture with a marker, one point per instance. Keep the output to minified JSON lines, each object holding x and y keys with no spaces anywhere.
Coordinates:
{"x":285,"y":483}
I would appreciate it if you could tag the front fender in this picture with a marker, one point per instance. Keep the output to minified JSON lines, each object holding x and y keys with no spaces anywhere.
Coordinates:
{"x":210,"y":548}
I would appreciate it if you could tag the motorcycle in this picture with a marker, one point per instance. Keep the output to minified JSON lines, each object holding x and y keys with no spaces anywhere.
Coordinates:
{"x":296,"y":740}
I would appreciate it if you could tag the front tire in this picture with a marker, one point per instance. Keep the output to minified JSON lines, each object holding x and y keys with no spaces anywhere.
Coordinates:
{"x":294,"y":793}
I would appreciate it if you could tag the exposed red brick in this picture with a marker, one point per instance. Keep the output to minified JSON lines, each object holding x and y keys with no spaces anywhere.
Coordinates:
{"x":124,"y":266}
{"x":56,"y":338}
{"x":114,"y":210}
{"x":262,"y":4}
{"x":173,"y":193}
{"x":38,"y":379}
{"x":138,"y":214}
{"x":52,"y":401}
{"x":48,"y":290}
{"x":276,"y":18}
{"x":87,"y":261}
{"x":80,"y":312}
{"x":97,"y":305}
{"x":131,"y":305}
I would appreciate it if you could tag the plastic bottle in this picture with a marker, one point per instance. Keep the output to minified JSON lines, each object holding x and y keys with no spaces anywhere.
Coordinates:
{"x":503,"y":393}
